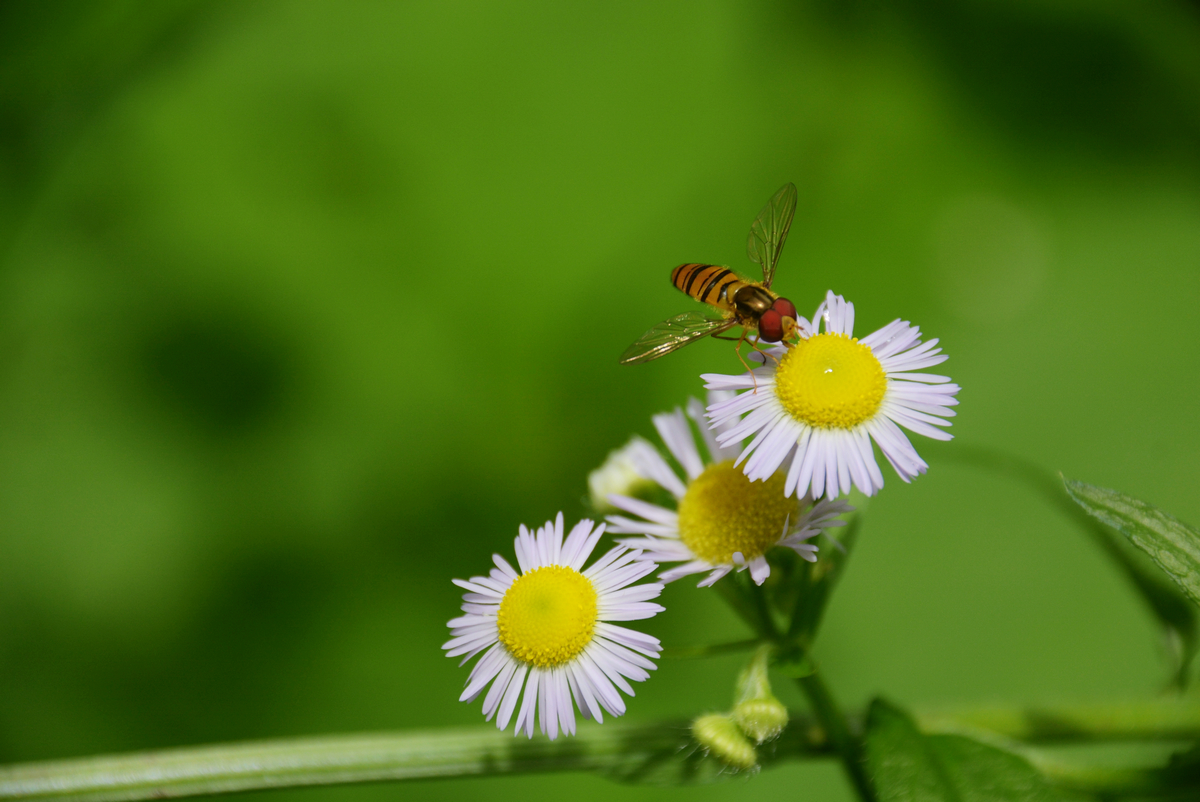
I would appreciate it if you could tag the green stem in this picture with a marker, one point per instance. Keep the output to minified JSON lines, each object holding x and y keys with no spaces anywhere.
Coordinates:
{"x":1159,"y":783}
{"x":749,"y":602}
{"x":847,"y":745}
{"x":620,"y":749}
{"x":762,"y":610}
{"x":804,"y":582}
{"x":1141,"y":721}
{"x":832,"y":720}
{"x":817,"y":585}
{"x":337,"y":760}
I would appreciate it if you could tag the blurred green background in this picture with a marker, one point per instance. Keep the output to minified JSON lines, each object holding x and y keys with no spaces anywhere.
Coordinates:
{"x":305,"y":306}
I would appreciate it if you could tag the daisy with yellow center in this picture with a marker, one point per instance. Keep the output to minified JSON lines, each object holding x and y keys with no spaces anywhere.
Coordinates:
{"x":547,"y":629}
{"x":722,"y":520}
{"x":821,"y":402}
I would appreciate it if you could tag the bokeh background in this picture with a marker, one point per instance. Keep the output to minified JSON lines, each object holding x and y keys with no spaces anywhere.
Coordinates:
{"x":305,"y":306}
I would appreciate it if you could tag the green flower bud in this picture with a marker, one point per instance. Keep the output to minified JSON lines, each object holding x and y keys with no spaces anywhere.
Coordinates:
{"x":760,"y":715}
{"x":761,"y":719}
{"x":720,"y":736}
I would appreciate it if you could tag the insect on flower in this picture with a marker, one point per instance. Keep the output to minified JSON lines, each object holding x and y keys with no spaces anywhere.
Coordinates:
{"x":736,"y":301}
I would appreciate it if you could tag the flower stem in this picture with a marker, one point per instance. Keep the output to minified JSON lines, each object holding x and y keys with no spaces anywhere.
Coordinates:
{"x":337,"y":760}
{"x":749,"y":602}
{"x":621,"y":749}
{"x":846,"y":744}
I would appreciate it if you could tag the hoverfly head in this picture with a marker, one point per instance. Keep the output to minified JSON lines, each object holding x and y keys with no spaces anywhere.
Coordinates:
{"x":785,"y":308}
{"x":778,"y":322}
{"x":770,"y":326}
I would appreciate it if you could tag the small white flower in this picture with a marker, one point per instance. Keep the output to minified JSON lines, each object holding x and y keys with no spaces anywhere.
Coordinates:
{"x":548,"y":629}
{"x":723,"y":521}
{"x":822,"y":402}
{"x":619,"y":474}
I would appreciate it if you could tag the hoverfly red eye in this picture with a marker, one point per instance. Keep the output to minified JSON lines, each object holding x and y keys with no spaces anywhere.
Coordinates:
{"x":785,"y":308}
{"x":770,"y":326}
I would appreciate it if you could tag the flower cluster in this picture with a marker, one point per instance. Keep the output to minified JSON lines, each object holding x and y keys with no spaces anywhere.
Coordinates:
{"x":813,"y":412}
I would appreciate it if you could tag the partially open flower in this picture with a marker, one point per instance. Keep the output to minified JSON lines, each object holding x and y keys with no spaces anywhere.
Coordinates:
{"x":619,"y":475}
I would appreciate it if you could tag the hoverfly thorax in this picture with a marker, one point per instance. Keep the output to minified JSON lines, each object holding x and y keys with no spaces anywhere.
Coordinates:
{"x":751,"y":301}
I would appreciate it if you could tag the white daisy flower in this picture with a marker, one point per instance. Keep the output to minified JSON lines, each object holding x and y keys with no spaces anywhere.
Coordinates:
{"x":547,"y":629}
{"x":723,"y":520}
{"x":822,"y":402}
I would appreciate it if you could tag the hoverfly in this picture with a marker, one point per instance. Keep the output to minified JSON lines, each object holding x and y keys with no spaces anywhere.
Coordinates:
{"x":737,"y":301}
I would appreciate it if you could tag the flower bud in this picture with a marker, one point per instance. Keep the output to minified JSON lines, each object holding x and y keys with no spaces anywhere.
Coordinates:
{"x":756,"y":710}
{"x":720,"y":736}
{"x":619,"y":476}
{"x":761,"y":719}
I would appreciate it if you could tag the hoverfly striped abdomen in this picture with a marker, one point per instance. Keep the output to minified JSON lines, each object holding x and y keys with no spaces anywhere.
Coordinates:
{"x":711,"y":284}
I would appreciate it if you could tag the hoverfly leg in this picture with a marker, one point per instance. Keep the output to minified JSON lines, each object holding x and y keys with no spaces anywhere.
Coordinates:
{"x":738,"y":351}
{"x":766,"y":354}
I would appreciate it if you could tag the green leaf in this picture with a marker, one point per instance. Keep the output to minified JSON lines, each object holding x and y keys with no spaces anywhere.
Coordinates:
{"x":1172,"y":544}
{"x":908,"y":766}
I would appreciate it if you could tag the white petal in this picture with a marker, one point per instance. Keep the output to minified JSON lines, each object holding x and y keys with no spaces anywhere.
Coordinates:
{"x":649,"y":463}
{"x":484,"y":672}
{"x":644,"y":509}
{"x":610,"y":665}
{"x":528,"y":704}
{"x":492,"y":701}
{"x":580,"y":543}
{"x":477,"y":589}
{"x":760,"y":569}
{"x":717,"y":573}
{"x":606,"y":694}
{"x":548,"y":705}
{"x":639,"y":641}
{"x":620,"y":525}
{"x":510,"y":697}
{"x":676,"y":434}
{"x":680,"y":571}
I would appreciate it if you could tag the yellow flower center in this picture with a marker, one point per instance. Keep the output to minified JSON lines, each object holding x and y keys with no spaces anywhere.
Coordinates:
{"x":724,"y":512}
{"x":547,"y":616}
{"x":830,"y":381}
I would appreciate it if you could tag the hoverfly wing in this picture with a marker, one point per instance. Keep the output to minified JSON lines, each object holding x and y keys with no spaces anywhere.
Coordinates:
{"x":675,"y":333}
{"x":769,"y":231}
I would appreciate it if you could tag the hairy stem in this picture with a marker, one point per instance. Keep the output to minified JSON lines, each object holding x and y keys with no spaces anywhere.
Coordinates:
{"x":831,"y":718}
{"x":620,"y":749}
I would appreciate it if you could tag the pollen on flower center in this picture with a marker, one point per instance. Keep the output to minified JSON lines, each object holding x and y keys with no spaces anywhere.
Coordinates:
{"x":547,"y":616}
{"x":724,"y":512}
{"x":830,"y":381}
